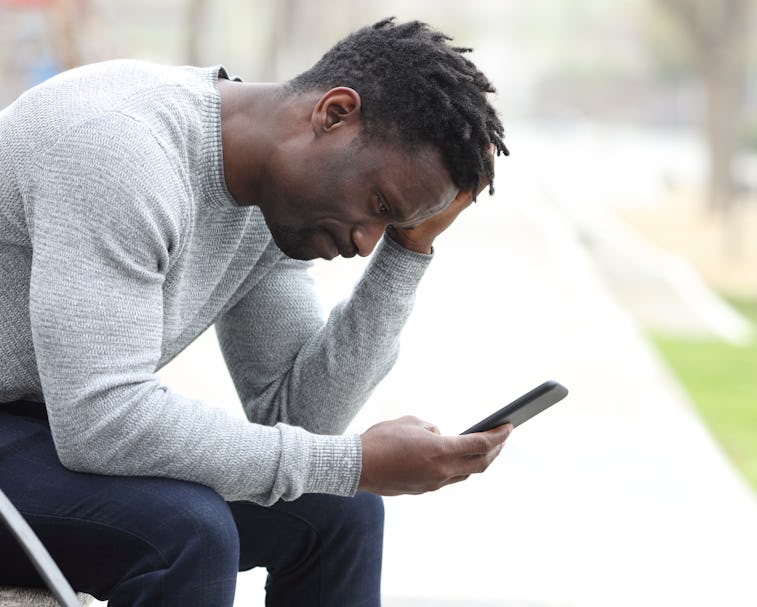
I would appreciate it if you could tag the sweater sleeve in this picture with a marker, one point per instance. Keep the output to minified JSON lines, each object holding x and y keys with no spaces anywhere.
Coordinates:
{"x":104,"y":221}
{"x":288,"y":365}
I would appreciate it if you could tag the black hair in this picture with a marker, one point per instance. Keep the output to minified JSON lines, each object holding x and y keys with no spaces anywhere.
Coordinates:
{"x":416,"y":88}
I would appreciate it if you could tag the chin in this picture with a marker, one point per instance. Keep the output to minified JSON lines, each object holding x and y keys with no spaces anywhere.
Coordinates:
{"x":290,"y":242}
{"x":295,"y":247}
{"x":300,"y":253}
{"x":305,"y":244}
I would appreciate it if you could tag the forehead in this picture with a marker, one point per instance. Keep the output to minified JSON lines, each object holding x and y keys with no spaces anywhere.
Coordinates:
{"x":415,"y":182}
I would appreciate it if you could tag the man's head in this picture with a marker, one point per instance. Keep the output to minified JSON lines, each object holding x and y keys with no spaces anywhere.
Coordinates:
{"x":415,"y":90}
{"x":386,"y":129}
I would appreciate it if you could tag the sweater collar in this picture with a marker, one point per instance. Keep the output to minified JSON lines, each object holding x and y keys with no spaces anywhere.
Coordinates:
{"x":213,"y":179}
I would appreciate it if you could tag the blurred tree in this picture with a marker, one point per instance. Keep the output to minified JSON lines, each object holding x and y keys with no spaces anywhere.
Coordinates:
{"x":717,"y":31}
{"x":39,"y":38}
{"x":294,"y":43}
{"x":67,"y":16}
{"x":282,"y":35}
{"x":197,"y":11}
{"x":64,"y":16}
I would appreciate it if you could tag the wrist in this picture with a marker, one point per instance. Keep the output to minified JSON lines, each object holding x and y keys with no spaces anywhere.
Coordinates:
{"x":364,"y":483}
{"x":405,"y":240}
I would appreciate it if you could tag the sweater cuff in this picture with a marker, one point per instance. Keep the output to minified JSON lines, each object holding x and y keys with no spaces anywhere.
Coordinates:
{"x":396,"y":268}
{"x":335,"y":465}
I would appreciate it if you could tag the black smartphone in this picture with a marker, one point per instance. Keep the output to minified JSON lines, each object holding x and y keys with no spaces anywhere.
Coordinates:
{"x":523,"y":408}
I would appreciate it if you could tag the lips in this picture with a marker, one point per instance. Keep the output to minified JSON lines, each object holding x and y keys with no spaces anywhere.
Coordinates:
{"x":346,"y":250}
{"x":329,"y":246}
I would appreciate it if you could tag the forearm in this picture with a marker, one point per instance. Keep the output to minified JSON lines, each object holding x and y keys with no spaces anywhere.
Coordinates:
{"x":321,"y":379}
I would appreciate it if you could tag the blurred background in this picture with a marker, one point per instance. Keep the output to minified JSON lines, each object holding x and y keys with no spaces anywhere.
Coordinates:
{"x":618,"y":255}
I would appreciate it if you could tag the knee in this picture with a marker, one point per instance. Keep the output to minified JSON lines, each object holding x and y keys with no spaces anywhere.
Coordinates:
{"x":162,"y":537}
{"x":335,"y":520}
{"x":362,"y":516}
{"x":206,"y":521}
{"x":367,"y":509}
{"x":201,"y":525}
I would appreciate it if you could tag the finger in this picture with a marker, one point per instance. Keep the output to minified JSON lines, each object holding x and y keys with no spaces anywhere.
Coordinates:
{"x":416,"y":421}
{"x":413,"y":421}
{"x":472,"y":464}
{"x":500,"y":433}
{"x":504,"y":429}
{"x":431,"y":427}
{"x":477,"y":464}
{"x":458,"y":479}
{"x":479,"y":443}
{"x":470,"y":445}
{"x":460,"y":202}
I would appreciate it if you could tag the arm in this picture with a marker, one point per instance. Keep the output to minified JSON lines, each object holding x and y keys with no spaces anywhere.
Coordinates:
{"x":287,"y":367}
{"x":290,"y":366}
{"x":103,"y":229}
{"x":408,"y":455}
{"x":398,"y":457}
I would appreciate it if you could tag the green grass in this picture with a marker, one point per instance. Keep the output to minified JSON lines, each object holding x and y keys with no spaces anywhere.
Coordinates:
{"x":721,"y":380}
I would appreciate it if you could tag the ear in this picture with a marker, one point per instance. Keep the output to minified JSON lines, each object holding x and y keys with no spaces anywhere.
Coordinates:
{"x":336,"y":109}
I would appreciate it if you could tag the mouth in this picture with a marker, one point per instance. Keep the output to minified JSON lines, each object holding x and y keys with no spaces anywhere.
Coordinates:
{"x":336,"y":247}
{"x":348,"y":252}
{"x":326,"y":245}
{"x":317,"y":243}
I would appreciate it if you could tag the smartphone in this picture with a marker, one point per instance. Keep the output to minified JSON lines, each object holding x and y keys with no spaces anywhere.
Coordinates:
{"x":523,"y":408}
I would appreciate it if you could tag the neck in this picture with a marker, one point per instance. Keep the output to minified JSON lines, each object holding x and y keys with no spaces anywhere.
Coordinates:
{"x":251,"y":117}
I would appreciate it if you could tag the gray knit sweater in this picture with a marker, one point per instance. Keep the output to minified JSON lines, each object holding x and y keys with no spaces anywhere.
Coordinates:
{"x":120,"y":244}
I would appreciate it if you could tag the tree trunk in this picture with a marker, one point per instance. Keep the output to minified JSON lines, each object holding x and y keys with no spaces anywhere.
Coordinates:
{"x":281,"y":37}
{"x":66,"y":15}
{"x":196,"y":12}
{"x":718,"y":32}
{"x":723,"y":116}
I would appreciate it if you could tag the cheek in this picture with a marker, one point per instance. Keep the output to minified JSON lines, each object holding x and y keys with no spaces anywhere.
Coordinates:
{"x":328,"y":198}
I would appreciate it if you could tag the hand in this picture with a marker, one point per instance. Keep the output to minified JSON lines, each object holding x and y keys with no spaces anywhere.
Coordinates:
{"x":421,"y":237}
{"x":409,"y":456}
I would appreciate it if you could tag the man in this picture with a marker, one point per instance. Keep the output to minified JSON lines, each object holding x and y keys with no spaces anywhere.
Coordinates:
{"x":139,"y":205}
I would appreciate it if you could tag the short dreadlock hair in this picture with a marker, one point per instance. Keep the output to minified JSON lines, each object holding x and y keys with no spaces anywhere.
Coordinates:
{"x":416,"y":89}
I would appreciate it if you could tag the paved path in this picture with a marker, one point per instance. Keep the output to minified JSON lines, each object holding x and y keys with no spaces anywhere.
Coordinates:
{"x":617,"y":496}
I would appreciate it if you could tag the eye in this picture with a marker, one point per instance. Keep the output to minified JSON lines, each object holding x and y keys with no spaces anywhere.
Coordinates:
{"x":383,"y":207}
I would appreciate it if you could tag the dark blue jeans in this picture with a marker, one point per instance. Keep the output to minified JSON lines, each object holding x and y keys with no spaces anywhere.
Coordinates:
{"x":161,"y":542}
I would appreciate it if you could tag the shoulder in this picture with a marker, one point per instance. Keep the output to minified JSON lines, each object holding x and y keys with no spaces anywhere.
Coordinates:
{"x":110,"y":170}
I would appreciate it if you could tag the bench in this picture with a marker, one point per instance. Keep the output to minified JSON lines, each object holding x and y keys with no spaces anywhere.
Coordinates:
{"x":12,"y":596}
{"x":61,"y":593}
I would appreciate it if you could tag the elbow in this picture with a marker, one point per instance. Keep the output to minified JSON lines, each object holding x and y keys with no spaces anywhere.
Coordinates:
{"x":71,"y":460}
{"x":79,"y":458}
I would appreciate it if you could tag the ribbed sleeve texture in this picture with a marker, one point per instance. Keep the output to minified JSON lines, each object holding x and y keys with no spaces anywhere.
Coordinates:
{"x":120,"y":244}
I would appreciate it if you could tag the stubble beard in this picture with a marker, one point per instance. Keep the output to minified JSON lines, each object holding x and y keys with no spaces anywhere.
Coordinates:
{"x":294,"y":243}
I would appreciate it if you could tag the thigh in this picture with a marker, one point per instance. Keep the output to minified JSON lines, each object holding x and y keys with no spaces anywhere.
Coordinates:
{"x":101,"y":530}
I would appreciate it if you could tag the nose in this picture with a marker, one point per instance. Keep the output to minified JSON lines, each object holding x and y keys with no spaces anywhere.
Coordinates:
{"x":366,"y":237}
